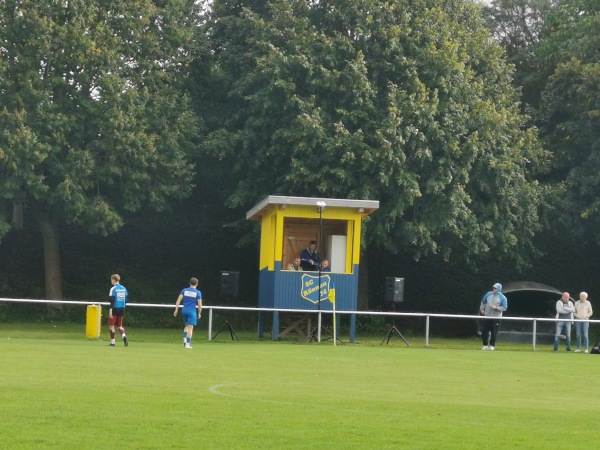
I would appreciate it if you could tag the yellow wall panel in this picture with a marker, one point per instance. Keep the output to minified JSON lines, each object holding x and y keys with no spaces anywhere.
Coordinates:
{"x":272,"y":228}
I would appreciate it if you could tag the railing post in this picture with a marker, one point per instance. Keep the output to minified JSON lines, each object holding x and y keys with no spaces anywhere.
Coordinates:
{"x":319,"y":328}
{"x":427,"y":331}
{"x":534,"y":332}
{"x":210,"y":320}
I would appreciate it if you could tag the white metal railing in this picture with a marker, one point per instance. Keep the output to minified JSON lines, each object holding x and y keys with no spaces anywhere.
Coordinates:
{"x":212,"y":308}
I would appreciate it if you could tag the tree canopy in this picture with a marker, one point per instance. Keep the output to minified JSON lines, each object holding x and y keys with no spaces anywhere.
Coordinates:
{"x":406,"y":101}
{"x":518,"y":26}
{"x":95,"y":120}
{"x":569,"y":114}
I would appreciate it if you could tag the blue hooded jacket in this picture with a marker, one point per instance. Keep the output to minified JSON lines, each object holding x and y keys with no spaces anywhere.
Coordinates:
{"x":497,"y":299}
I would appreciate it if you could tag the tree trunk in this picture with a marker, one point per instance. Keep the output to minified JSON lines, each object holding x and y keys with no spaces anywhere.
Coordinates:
{"x":50,"y":237}
{"x":17,"y":218}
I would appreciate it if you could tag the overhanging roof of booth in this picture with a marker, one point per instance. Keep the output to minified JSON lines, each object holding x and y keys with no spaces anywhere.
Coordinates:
{"x":365,"y":207}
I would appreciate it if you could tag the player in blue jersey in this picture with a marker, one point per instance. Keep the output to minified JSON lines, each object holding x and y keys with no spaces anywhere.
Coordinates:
{"x":116,"y":311}
{"x":192,"y":299}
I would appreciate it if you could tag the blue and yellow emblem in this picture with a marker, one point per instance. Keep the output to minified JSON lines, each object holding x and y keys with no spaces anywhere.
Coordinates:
{"x":310,"y":288}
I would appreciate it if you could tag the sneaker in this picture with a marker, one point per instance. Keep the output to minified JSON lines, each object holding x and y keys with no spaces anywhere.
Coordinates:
{"x":555,"y":349}
{"x":485,"y":347}
{"x":586,"y":351}
{"x":492,"y":347}
{"x":111,"y":345}
{"x":125,"y":341}
{"x":577,"y":351}
{"x":568,"y":349}
{"x":188,"y":346}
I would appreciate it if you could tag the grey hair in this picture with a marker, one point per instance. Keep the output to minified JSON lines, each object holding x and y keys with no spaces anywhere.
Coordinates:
{"x":584,"y":294}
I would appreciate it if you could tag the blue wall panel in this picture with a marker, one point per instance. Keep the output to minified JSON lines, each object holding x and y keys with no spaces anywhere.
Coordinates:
{"x":289,"y":287}
{"x":266,"y":289}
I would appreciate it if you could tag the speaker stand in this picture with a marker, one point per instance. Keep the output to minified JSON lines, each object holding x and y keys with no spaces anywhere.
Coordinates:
{"x":314,"y":334}
{"x":227,"y":325}
{"x":394,"y":331}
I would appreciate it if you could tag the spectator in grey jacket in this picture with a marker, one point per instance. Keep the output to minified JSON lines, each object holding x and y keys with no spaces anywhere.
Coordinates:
{"x":564,"y":314}
{"x":493,"y":304}
{"x":583,"y":311}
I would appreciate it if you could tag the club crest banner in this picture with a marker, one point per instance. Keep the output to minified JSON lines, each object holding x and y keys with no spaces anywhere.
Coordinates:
{"x":310,"y":287}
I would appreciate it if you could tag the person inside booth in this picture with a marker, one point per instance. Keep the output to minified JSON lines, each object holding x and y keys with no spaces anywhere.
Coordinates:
{"x":325,"y":266}
{"x":295,"y":265}
{"x":309,"y":258}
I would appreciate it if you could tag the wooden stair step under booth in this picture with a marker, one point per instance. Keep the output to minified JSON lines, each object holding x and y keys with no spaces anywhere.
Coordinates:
{"x":291,"y":323}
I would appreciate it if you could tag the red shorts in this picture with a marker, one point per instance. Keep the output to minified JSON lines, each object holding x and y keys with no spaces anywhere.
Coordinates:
{"x":117,"y":318}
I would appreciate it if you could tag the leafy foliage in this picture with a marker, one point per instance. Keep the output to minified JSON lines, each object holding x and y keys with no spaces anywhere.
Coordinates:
{"x":404,"y":101}
{"x":518,"y":26}
{"x":569,"y":115}
{"x":95,"y":120}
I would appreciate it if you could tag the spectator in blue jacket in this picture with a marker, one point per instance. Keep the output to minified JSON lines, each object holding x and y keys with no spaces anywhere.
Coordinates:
{"x":493,"y":304}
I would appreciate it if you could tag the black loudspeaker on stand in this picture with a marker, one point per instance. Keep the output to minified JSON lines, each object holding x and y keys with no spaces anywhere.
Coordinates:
{"x":394,"y":293}
{"x":229,"y":288}
{"x":230,"y":283}
{"x":394,"y":290}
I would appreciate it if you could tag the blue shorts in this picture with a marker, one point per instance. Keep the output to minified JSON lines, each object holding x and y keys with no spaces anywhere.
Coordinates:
{"x":190,"y":317}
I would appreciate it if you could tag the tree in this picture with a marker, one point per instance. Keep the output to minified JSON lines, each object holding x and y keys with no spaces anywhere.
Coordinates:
{"x":404,"y":101}
{"x":569,"y":114}
{"x":518,"y":26}
{"x":95,"y":122}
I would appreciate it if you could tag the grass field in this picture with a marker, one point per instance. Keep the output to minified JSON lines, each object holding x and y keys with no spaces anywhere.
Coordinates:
{"x":60,"y":390}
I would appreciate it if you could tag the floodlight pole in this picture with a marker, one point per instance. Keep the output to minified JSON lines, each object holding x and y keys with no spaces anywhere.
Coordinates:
{"x":320,"y":205}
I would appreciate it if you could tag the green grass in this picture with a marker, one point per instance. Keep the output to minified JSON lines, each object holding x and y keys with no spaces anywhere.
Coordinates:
{"x":60,"y":390}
